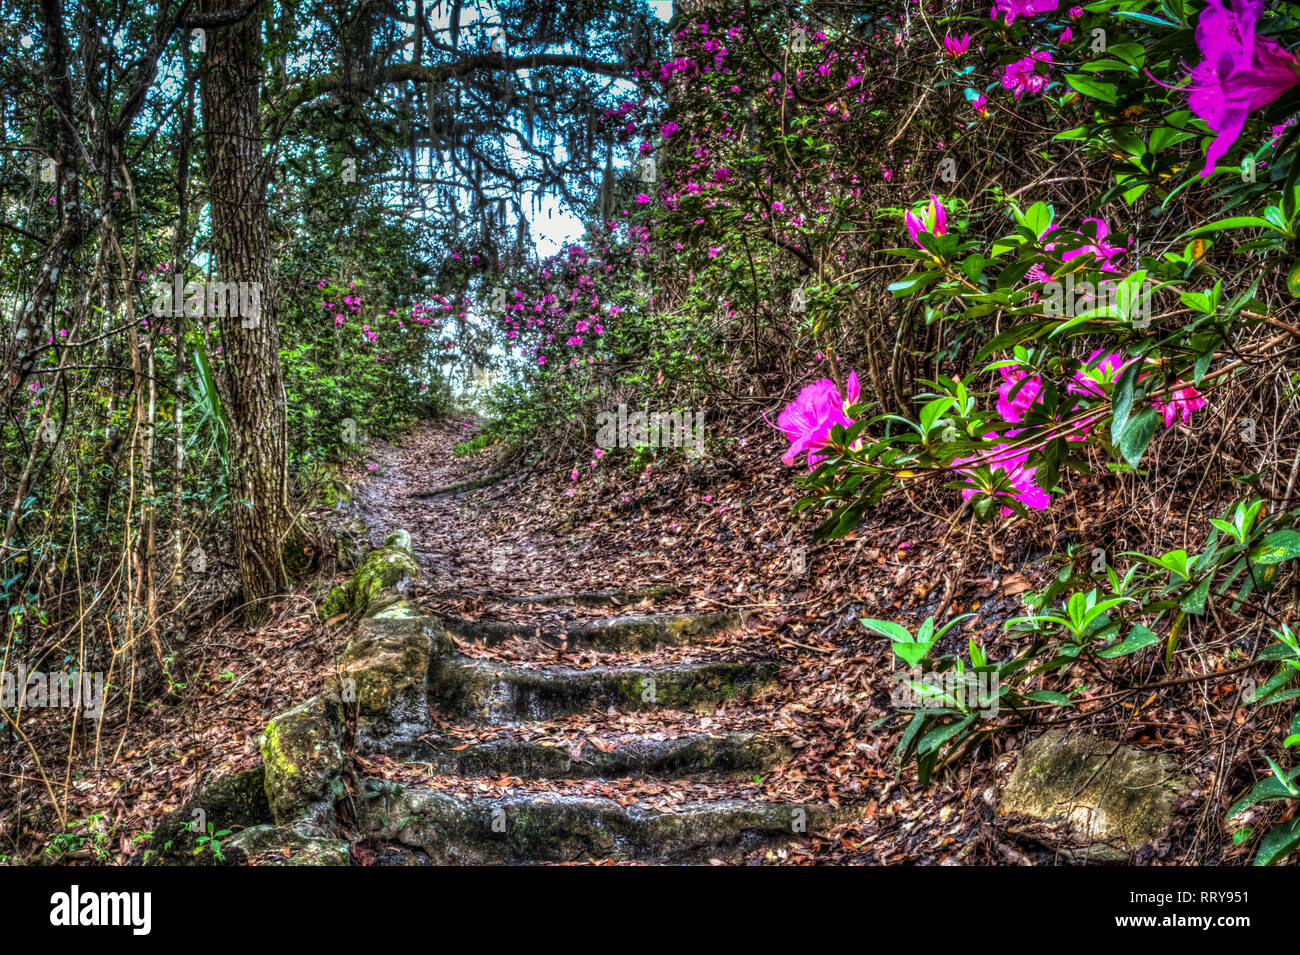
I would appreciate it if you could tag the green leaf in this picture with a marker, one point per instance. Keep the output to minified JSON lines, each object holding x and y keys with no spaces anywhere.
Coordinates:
{"x":887,"y":628}
{"x":1277,"y":547}
{"x":1092,"y":87}
{"x":1137,"y":435}
{"x":1048,"y":696}
{"x":1268,"y":789}
{"x":1236,"y":222}
{"x":1138,"y":638}
{"x":1280,"y":842}
{"x":914,"y":283}
{"x":911,"y":651}
{"x":1194,"y":603}
{"x":941,"y":734}
{"x":1123,"y":400}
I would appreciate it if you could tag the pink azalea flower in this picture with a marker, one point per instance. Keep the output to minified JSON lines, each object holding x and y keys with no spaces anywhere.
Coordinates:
{"x":1023,"y":487}
{"x":1240,"y":73}
{"x":1015,"y":409}
{"x":1022,"y":8}
{"x":1182,"y":403}
{"x":956,"y":48}
{"x":935,"y":220}
{"x":807,"y":421}
{"x":1022,"y":76}
{"x":1089,"y":379}
{"x":1107,"y":253}
{"x":981,"y":106}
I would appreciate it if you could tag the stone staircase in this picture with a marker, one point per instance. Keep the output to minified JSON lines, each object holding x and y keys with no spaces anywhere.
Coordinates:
{"x":654,"y":753}
{"x":506,"y":759}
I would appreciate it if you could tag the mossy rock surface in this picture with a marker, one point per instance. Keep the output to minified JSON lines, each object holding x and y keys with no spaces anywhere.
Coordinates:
{"x":528,"y":827}
{"x":463,"y":687}
{"x":235,"y":801}
{"x":302,"y":758}
{"x":380,"y":570}
{"x":625,"y":634}
{"x":695,"y":755}
{"x":1102,"y":800}
{"x":300,"y":843}
{"x":385,"y":669}
{"x":596,"y":598}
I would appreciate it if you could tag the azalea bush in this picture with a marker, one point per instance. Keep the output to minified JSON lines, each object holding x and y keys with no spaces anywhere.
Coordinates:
{"x":1093,"y":248}
{"x":1000,"y":262}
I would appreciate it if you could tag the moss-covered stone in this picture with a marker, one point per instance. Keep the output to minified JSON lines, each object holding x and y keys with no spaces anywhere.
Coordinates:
{"x":380,"y":570}
{"x":694,"y":755}
{"x":302,"y":758}
{"x":1104,"y":799}
{"x":463,"y":687}
{"x":306,"y":842}
{"x":385,"y":671}
{"x":547,"y":827}
{"x":597,"y":598}
{"x":627,"y":634}
{"x":234,"y":802}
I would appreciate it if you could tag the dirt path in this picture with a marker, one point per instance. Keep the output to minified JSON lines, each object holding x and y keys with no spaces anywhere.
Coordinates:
{"x":607,"y":720}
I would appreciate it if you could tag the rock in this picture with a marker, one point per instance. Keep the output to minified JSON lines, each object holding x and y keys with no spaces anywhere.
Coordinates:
{"x":1103,"y":800}
{"x":383,"y":569}
{"x":302,"y":758}
{"x":307,"y":844}
{"x":626,"y":634}
{"x":347,"y":552}
{"x":544,"y":826}
{"x":462,"y":687}
{"x":387,"y":664}
{"x":232,"y":802}
{"x":692,"y":755}
{"x":597,"y":598}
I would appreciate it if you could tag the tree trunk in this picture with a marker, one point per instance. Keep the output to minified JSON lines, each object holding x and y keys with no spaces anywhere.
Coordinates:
{"x":251,"y":381}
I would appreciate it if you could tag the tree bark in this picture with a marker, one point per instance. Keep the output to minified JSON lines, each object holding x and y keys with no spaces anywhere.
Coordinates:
{"x":251,"y":381}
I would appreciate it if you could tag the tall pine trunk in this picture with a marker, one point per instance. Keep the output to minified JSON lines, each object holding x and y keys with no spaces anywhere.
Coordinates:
{"x":252,"y":382}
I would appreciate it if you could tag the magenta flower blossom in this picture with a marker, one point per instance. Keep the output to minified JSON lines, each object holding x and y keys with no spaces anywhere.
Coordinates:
{"x":1107,"y":253}
{"x":935,"y":220}
{"x":957,"y":48}
{"x":1015,"y":409}
{"x":1089,"y":379}
{"x":1240,"y":73}
{"x":807,"y":421}
{"x":1023,"y":77}
{"x":1022,"y":8}
{"x":981,"y":106}
{"x":1095,"y":242}
{"x":1181,"y":404}
{"x":1024,"y":489}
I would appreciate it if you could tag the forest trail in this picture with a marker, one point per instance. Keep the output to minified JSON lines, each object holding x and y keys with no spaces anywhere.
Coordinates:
{"x":582,"y":711}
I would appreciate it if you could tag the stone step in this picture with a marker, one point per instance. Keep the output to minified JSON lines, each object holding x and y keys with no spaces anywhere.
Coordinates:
{"x":596,"y":598}
{"x":629,"y":634}
{"x":463,"y":688}
{"x":694,"y":754}
{"x":548,"y":827}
